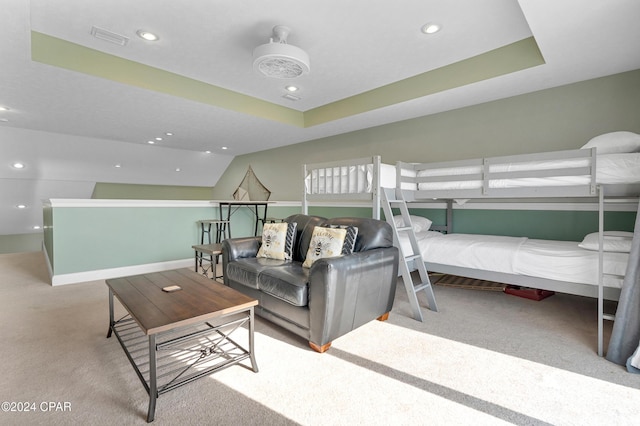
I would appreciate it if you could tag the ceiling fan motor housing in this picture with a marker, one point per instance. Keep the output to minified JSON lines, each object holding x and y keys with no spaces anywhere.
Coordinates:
{"x":278,"y":59}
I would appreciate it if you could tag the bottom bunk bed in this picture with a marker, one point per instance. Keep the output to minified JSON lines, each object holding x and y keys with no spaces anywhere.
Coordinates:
{"x":562,"y":266}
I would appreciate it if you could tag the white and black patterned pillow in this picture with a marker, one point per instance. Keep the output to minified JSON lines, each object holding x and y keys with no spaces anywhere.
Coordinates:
{"x":349,"y":239}
{"x":277,"y":240}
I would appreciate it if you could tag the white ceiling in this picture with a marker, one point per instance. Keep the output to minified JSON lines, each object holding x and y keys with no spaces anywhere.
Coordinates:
{"x":71,"y":128}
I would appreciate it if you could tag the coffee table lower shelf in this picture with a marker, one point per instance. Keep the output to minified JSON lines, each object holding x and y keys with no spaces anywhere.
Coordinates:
{"x":167,"y":360}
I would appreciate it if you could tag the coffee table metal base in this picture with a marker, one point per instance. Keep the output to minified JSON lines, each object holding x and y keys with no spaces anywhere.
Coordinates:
{"x":170,"y":359}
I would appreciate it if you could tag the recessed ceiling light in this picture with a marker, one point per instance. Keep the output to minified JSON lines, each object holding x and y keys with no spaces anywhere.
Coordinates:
{"x":21,"y":206}
{"x":36,"y":227}
{"x":147,"y":35}
{"x":177,"y":169}
{"x":224,"y":147}
{"x":207,"y":152}
{"x":292,"y":88}
{"x":158,"y":139}
{"x":18,"y":166}
{"x":3,"y":108}
{"x":151,"y":142}
{"x":117,"y":166}
{"x":431,"y":28}
{"x":169,"y":134}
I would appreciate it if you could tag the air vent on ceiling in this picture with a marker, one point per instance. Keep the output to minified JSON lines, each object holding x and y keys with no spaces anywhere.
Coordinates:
{"x":291,"y":97}
{"x":109,"y":36}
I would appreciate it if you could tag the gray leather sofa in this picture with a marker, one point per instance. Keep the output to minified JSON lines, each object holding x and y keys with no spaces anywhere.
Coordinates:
{"x":334,"y":296}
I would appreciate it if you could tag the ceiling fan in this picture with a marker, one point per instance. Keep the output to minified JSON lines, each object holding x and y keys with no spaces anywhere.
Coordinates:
{"x":278,"y":59}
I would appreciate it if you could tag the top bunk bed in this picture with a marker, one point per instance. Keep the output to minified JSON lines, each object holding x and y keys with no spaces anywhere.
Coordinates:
{"x":610,"y":162}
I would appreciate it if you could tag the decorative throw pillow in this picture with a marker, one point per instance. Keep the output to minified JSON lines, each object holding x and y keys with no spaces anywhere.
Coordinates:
{"x":325,"y":242}
{"x":616,"y":241}
{"x":615,"y":142}
{"x":349,"y":239}
{"x":277,"y":240}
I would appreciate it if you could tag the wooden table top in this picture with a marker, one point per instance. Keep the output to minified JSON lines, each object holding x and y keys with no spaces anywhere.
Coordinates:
{"x":199,"y":300}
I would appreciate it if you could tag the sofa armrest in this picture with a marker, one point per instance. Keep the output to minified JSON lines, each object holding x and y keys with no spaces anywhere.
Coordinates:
{"x":238,"y":248}
{"x":349,"y":291}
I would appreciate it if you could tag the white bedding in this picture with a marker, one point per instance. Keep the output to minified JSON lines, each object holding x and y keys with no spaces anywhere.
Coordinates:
{"x":556,"y":260}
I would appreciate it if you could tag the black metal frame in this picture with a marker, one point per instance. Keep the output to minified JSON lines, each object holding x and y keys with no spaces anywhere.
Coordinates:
{"x":252,"y":205}
{"x":203,"y":348}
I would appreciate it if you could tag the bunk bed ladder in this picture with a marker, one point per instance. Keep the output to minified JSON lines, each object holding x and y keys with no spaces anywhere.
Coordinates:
{"x":390,"y":200}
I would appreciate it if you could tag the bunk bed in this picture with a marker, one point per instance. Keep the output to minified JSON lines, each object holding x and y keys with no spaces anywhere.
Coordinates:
{"x":605,"y":169}
{"x":600,"y":170}
{"x":560,"y":175}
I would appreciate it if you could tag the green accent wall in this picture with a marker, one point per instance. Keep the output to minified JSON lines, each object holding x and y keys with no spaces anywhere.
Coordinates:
{"x":121,"y":191}
{"x":87,"y":238}
{"x":18,"y":243}
{"x":330,"y":212}
{"x":80,"y":239}
{"x":540,"y":224}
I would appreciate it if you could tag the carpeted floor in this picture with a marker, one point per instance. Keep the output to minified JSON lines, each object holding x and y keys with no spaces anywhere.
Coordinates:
{"x":484,"y":358}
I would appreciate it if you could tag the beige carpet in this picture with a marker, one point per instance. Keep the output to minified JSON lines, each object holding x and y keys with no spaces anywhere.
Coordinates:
{"x":485,"y":358}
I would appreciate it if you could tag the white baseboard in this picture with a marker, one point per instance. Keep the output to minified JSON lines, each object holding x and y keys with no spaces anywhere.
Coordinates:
{"x":103,"y":274}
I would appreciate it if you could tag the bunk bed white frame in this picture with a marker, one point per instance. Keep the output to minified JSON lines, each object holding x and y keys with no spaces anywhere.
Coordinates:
{"x":356,"y":179}
{"x":588,"y":188}
{"x":483,"y":174}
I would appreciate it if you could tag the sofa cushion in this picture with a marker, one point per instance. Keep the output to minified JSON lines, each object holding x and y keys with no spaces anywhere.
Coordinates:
{"x":277,"y":240}
{"x":289,"y":283}
{"x":246,"y":271}
{"x":372,"y":233}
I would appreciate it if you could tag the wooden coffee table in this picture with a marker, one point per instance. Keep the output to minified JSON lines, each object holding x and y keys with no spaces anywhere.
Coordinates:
{"x":186,"y":331}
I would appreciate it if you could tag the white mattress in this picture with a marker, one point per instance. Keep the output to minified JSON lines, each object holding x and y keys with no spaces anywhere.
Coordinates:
{"x":556,"y":260}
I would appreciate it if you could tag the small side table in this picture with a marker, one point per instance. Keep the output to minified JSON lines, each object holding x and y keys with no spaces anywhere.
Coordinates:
{"x":206,"y":257}
{"x":207,"y":253}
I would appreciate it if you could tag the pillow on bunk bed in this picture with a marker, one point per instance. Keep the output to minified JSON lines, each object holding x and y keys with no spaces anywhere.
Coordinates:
{"x":615,"y":241}
{"x":330,"y":242}
{"x":615,"y":142}
{"x":420,"y":224}
{"x":277,"y":240}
